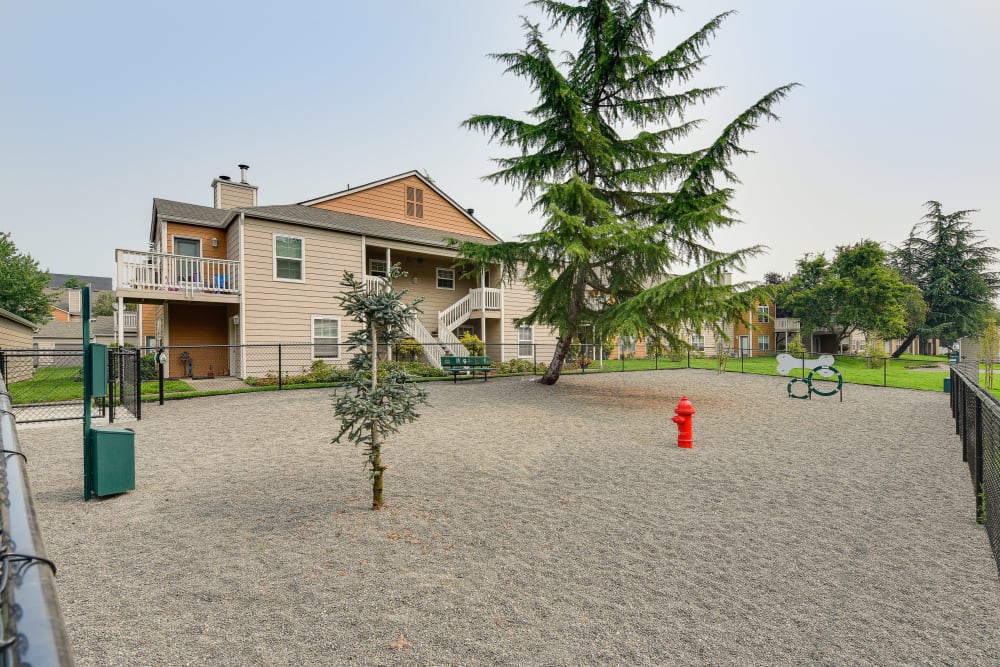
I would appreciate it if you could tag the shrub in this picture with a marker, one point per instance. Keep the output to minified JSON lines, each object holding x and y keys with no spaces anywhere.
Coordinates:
{"x":409,"y":350}
{"x":147,"y":367}
{"x":875,"y":352}
{"x":795,"y":346}
{"x":515,"y":366}
{"x":476,"y":347}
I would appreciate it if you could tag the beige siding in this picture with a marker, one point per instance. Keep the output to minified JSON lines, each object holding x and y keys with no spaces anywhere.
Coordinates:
{"x":518,"y":301}
{"x":388,"y":202}
{"x":14,"y":335}
{"x":277,"y":310}
{"x":232,"y":195}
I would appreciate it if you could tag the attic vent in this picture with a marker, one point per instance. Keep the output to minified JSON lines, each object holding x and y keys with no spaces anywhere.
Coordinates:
{"x":414,"y":202}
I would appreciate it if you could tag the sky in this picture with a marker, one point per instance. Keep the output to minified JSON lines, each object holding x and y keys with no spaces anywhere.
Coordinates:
{"x":106,"y":105}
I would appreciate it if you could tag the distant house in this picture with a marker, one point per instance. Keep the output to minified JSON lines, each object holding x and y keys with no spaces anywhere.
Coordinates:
{"x":69,"y":335}
{"x":68,"y":303}
{"x":236,"y":274}
{"x":15,"y":334}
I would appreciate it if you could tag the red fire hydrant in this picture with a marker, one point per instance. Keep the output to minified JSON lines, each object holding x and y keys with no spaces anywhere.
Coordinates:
{"x":685,"y":423}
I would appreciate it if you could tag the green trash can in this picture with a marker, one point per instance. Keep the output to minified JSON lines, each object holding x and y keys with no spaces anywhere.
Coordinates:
{"x":113,"y":455}
{"x":947,"y":385}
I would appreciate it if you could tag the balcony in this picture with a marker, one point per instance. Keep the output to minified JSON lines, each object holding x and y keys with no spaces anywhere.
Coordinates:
{"x":159,"y":277}
{"x":787,"y":324}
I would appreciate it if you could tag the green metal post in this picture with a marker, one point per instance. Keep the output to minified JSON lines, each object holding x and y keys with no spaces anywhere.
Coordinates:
{"x":88,"y":390}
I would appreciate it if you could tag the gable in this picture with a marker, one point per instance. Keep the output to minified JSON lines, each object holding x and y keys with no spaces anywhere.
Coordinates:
{"x":388,"y":201}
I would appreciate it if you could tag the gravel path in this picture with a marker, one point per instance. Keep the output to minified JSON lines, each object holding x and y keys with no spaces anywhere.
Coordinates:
{"x":532,"y":525}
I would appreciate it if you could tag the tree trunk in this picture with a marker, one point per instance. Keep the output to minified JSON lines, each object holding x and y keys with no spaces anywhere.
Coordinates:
{"x":552,"y":373}
{"x":376,"y":456}
{"x":377,"y":470}
{"x":902,"y":346}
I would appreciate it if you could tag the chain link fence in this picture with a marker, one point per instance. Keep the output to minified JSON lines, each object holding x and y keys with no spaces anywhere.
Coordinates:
{"x":46,"y":385}
{"x":977,"y":423}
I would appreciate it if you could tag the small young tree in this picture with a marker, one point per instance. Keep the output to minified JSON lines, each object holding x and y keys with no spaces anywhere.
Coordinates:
{"x":378,"y":400}
{"x":990,"y":348}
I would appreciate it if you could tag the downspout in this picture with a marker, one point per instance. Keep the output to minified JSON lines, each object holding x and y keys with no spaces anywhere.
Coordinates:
{"x":243,"y":314}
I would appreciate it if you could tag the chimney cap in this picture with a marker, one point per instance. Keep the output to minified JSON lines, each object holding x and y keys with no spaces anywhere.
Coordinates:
{"x":243,"y":166}
{"x":224,"y":178}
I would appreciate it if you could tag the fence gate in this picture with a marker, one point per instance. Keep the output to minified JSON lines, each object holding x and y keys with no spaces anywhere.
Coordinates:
{"x":124,"y":383}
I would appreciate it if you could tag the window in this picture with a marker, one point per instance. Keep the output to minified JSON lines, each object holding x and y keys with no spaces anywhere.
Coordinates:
{"x":150,"y":341}
{"x":414,"y":202}
{"x":325,"y":337}
{"x":628,"y":344}
{"x":377,"y":267}
{"x":288,"y":258}
{"x":525,"y":342}
{"x":763,"y":343}
{"x":463,"y":330}
{"x":698,"y":341}
{"x":445,"y":278}
{"x":763,"y":314}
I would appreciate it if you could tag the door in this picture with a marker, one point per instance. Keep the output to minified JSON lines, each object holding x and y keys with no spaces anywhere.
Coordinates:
{"x":744,"y":346}
{"x":186,"y":269}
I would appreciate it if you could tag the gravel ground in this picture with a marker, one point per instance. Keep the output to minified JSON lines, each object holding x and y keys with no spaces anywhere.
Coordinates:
{"x":531,"y":525}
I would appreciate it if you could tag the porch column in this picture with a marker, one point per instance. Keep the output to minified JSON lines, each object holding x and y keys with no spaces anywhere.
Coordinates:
{"x":482,"y":297}
{"x":120,"y":324}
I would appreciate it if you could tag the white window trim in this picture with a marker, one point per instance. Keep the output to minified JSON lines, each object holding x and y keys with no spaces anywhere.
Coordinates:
{"x":383,"y":272}
{"x":767,"y":343}
{"x":274,"y":258}
{"x":437,"y":278}
{"x":180,"y":237}
{"x":520,"y":341}
{"x":763,"y":312}
{"x":312,"y":335}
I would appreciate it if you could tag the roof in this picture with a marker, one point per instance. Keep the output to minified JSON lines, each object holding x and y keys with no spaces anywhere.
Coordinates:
{"x":298,"y":214}
{"x":398,"y":177}
{"x":356,"y":224}
{"x":7,"y":315}
{"x":97,"y":283}
{"x":103,"y":325}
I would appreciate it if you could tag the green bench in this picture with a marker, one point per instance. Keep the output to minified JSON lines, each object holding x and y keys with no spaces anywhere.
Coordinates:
{"x":467,"y":366}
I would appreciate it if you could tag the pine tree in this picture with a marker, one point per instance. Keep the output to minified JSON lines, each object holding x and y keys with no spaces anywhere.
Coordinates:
{"x":620,"y":209}
{"x":379,"y":399}
{"x":955,"y":271}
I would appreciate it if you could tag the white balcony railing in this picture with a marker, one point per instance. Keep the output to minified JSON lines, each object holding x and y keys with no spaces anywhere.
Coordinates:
{"x":159,"y":271}
{"x":786,"y":324}
{"x":375,"y":283}
{"x":130,"y":320}
{"x":486,"y":298}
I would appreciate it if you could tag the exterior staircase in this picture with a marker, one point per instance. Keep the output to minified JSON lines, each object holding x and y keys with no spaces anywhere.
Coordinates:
{"x":447,"y":343}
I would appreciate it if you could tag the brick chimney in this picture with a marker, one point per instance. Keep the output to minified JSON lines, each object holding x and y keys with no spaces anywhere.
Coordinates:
{"x":228,"y":194}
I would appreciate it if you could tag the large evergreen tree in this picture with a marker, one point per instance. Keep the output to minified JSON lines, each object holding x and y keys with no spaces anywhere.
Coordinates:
{"x":22,"y":284}
{"x":622,"y":208}
{"x":956,"y":273}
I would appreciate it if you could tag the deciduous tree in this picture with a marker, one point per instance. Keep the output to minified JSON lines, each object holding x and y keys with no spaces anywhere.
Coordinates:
{"x":623,"y":205}
{"x":22,"y":284}
{"x":857,"y":291}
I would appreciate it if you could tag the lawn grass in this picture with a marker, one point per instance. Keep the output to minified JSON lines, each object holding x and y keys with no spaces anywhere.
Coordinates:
{"x":905,"y":372}
{"x":65,"y":383}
